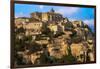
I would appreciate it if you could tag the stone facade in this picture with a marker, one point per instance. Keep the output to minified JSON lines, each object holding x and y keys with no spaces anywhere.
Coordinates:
{"x":47,"y":16}
{"x":33,"y":28}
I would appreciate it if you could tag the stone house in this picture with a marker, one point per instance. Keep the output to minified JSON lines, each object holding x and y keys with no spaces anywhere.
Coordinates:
{"x":33,"y":28}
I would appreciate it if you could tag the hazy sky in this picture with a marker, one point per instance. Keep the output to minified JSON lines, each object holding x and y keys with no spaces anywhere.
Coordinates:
{"x":72,"y":13}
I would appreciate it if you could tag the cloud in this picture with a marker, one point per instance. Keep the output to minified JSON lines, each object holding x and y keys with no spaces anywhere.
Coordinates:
{"x":68,"y":10}
{"x":41,"y":6}
{"x":89,"y":22}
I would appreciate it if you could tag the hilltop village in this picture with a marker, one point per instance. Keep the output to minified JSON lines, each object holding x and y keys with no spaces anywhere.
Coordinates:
{"x":49,"y":38}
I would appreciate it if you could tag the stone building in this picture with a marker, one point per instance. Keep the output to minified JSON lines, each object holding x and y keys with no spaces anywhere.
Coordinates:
{"x":19,"y":22}
{"x":33,"y":28}
{"x":53,"y":28}
{"x":36,"y":16}
{"x":47,"y":16}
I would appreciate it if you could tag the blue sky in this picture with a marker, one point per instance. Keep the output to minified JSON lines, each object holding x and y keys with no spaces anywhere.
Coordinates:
{"x":72,"y":13}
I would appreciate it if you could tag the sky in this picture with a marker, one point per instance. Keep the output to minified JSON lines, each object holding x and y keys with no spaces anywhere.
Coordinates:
{"x":72,"y":13}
